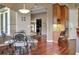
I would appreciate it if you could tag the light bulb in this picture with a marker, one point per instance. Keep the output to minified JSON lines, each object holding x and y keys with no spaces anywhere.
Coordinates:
{"x":24,"y":11}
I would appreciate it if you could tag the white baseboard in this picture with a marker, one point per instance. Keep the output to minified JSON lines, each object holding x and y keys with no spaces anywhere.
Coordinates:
{"x":77,"y":53}
{"x":49,"y":40}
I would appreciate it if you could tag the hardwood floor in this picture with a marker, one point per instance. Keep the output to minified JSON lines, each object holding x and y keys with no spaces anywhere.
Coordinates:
{"x":48,"y":48}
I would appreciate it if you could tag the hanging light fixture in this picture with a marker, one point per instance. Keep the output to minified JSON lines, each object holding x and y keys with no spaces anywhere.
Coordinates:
{"x":24,"y":10}
{"x":58,"y":26}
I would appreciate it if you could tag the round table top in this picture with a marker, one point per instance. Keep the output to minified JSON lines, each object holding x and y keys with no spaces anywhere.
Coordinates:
{"x":20,"y":43}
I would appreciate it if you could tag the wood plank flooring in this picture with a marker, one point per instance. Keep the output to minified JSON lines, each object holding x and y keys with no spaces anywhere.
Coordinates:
{"x":48,"y":48}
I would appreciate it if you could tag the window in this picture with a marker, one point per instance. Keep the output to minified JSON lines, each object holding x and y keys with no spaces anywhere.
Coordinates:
{"x":5,"y":21}
{"x":1,"y":22}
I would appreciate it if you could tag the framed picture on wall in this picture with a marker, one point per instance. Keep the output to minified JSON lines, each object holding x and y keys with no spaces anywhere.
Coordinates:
{"x":23,"y":18}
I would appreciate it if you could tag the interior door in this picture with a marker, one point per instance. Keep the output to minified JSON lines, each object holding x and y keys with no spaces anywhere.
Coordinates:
{"x":38,"y":26}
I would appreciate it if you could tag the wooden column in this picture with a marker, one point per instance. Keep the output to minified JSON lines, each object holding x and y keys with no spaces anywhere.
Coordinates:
{"x":56,"y":15}
{"x":60,"y":12}
{"x":56,"y":12}
{"x":64,"y":15}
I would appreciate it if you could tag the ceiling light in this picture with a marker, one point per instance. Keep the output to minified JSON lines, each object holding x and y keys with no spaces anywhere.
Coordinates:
{"x":24,"y":10}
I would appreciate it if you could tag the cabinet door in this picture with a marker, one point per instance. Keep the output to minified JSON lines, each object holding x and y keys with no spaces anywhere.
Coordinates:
{"x":64,"y":14}
{"x":56,"y":12}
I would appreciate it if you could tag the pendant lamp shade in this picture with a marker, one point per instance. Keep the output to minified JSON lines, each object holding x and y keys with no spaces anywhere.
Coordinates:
{"x":24,"y":10}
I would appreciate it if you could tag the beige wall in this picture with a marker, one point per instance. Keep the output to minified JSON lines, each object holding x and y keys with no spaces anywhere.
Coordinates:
{"x":23,"y":25}
{"x":49,"y":23}
{"x":73,"y":23}
{"x":12,"y":22}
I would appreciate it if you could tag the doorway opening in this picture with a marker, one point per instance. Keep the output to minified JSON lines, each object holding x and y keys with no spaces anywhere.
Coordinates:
{"x":39,"y":26}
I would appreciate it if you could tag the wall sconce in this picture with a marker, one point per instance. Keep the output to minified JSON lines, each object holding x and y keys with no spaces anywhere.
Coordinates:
{"x":58,"y":27}
{"x":23,"y":18}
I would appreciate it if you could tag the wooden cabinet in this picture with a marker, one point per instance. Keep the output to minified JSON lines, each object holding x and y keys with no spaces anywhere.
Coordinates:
{"x":64,"y":14}
{"x":56,"y":12}
{"x":60,"y":16}
{"x":60,"y":12}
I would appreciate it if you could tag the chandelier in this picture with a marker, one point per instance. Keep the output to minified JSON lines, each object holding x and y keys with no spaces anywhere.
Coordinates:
{"x":24,"y":10}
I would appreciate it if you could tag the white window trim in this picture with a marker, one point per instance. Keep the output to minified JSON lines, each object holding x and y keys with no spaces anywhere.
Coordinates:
{"x":8,"y":27}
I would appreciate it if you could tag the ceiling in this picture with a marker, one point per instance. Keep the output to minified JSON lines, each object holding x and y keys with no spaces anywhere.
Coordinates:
{"x":34,"y":7}
{"x":16,"y":6}
{"x":71,"y":5}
